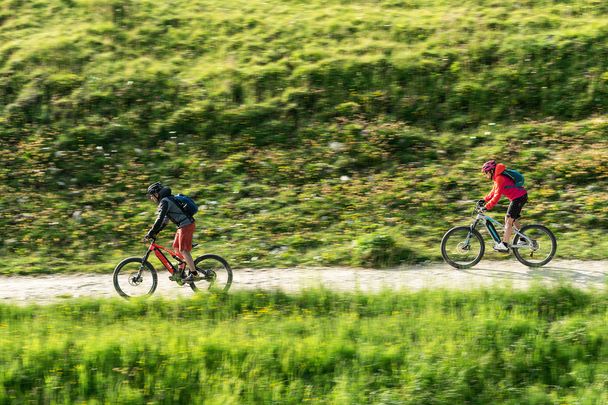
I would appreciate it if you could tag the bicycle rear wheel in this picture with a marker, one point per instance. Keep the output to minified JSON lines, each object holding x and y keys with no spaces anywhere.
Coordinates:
{"x":135,"y":278}
{"x":215,"y":272}
{"x":541,"y":250}
{"x":462,"y":247}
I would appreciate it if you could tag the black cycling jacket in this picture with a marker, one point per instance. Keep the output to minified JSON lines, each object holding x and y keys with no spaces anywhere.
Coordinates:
{"x":169,"y":210}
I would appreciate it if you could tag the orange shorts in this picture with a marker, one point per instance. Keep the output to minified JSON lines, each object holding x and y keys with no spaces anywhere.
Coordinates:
{"x":183,"y":238}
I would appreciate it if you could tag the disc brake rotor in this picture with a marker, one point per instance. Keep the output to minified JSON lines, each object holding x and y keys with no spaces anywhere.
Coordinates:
{"x":463,"y":248}
{"x":135,"y":279}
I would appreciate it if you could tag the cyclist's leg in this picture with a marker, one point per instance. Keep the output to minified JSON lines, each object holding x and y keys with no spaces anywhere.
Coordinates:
{"x":516,"y":225}
{"x":508,"y":229}
{"x":184,"y":245}
{"x":189,"y":259}
{"x":512,"y":217}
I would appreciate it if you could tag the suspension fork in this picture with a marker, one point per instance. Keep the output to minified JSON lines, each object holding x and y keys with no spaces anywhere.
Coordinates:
{"x":471,"y":229}
{"x":143,"y":260}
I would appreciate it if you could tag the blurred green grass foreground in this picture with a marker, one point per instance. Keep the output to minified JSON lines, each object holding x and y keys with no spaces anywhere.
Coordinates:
{"x":321,"y":132}
{"x":541,"y":346}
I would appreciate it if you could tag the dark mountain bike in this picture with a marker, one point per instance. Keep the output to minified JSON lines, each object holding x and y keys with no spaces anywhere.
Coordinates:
{"x":463,"y":246}
{"x":135,"y":276}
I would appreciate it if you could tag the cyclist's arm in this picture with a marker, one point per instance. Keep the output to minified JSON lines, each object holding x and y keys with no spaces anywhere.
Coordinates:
{"x":491,"y":193}
{"x":498,"y":192}
{"x":161,"y":220}
{"x":164,"y":224}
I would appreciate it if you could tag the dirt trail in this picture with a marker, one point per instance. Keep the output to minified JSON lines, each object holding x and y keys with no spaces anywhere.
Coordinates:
{"x":584,"y":274}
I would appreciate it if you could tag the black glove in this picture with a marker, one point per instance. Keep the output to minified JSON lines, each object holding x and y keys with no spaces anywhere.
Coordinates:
{"x":481,"y":203}
{"x":148,"y":237}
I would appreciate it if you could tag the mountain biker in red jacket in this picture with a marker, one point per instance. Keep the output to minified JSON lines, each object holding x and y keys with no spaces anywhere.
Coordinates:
{"x":504,"y":185}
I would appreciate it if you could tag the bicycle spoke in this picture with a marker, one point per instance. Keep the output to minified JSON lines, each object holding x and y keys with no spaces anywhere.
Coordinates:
{"x":461,"y":248}
{"x":215,"y":274}
{"x":132,"y":279}
{"x":537,"y":248}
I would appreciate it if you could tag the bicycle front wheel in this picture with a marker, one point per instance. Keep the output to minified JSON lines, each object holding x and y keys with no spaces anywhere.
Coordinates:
{"x":537,"y":248}
{"x":462,"y":247}
{"x":135,"y":278}
{"x":215,"y":272}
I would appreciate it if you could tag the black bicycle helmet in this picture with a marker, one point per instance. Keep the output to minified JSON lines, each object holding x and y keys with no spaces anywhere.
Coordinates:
{"x":155,"y":188}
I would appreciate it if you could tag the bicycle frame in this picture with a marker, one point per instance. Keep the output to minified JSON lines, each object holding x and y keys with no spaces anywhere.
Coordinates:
{"x":491,"y":224}
{"x":157,"y":249}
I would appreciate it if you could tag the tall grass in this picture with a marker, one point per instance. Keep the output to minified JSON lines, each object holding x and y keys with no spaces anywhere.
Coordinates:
{"x":487,"y":346}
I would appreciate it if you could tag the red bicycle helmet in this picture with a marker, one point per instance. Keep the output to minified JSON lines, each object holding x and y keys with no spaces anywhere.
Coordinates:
{"x":488,"y":166}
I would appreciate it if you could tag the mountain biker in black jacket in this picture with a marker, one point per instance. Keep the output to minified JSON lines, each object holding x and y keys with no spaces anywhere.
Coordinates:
{"x":168,"y":210}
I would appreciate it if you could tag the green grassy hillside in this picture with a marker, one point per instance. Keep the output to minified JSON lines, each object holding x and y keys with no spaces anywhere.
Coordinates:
{"x":495,"y":346}
{"x":317,"y":132}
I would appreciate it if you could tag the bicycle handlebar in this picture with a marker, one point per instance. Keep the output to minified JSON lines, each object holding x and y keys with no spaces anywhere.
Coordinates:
{"x":479,"y":208}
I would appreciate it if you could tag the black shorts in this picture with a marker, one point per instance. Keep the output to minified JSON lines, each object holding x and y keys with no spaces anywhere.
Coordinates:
{"x":516,"y":205}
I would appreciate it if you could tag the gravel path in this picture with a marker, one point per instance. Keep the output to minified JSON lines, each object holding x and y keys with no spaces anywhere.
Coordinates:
{"x":583,"y":274}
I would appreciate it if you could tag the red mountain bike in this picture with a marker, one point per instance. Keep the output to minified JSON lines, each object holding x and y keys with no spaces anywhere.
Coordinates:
{"x":135,"y":276}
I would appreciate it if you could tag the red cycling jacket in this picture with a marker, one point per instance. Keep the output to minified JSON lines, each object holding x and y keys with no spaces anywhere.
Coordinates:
{"x":502,"y":185}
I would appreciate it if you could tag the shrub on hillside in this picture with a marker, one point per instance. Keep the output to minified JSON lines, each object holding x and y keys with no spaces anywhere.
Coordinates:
{"x":381,"y":250}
